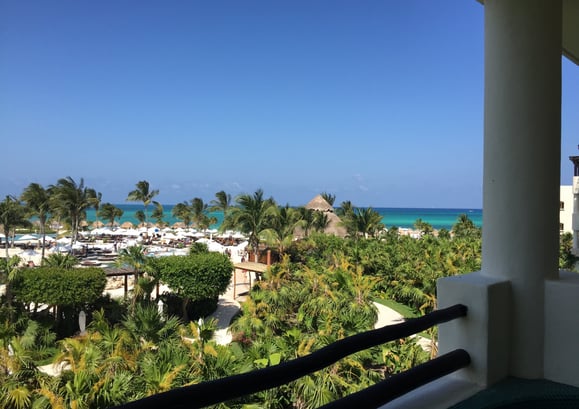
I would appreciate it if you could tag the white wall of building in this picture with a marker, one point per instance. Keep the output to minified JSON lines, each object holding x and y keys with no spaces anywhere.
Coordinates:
{"x":566,"y":209}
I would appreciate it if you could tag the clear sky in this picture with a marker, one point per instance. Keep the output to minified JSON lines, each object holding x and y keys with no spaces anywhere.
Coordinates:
{"x":377,"y":102}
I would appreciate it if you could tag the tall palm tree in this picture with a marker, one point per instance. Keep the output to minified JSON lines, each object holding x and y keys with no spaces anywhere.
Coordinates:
{"x":110,"y":212}
{"x":12,"y":215}
{"x":135,"y":257}
{"x":222,"y":203}
{"x":70,"y":200}
{"x":345,"y":209}
{"x":37,"y":201}
{"x":158,"y":214}
{"x":96,"y":204}
{"x":282,"y":226}
{"x":252,"y":216}
{"x":199,"y":214}
{"x":144,"y":194}
{"x":182,"y":211}
{"x":140,"y":216}
{"x":368,"y":221}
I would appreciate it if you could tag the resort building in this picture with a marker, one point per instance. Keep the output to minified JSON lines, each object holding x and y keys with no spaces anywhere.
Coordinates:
{"x":574,"y":195}
{"x":566,"y":209}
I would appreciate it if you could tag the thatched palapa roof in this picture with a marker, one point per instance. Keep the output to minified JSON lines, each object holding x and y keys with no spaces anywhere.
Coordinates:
{"x":334,"y":226}
{"x":319,"y":203}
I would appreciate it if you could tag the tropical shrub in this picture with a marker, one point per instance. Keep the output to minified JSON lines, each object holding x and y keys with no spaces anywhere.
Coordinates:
{"x":68,"y":290}
{"x":197,"y":277}
{"x":567,"y":259}
{"x":59,"y":286}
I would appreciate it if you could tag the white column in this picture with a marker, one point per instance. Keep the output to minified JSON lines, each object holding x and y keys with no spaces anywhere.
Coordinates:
{"x":522,"y":133}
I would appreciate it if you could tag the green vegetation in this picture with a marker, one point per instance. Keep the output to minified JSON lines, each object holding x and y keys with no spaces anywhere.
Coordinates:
{"x":401,"y":309}
{"x":198,"y":277}
{"x":319,"y":292}
{"x":61,"y":287}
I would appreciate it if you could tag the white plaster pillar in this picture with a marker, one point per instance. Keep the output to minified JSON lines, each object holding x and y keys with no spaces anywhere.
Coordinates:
{"x":522,"y":140}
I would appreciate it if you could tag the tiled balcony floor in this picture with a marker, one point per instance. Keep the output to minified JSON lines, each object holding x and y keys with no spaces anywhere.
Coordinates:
{"x":523,"y":394}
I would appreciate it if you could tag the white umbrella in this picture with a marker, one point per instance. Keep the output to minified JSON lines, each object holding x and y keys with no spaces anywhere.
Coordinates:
{"x":60,"y":248}
{"x":238,"y":235}
{"x":26,"y":237}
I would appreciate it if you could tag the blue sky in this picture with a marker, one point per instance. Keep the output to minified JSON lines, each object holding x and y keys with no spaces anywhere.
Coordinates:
{"x":378,"y":102}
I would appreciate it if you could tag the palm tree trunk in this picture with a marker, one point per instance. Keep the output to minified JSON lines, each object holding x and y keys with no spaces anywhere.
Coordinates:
{"x":256,"y":253}
{"x":184,"y":309}
{"x":43,"y":233}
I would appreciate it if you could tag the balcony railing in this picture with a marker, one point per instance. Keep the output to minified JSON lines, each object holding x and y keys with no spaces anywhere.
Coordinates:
{"x":225,"y":389}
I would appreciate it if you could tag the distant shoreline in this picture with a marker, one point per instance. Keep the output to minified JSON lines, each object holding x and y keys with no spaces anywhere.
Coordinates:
{"x":391,"y":216}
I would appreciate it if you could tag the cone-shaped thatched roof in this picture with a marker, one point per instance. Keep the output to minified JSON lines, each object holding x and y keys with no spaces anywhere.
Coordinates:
{"x":319,"y":203}
{"x":334,"y":226}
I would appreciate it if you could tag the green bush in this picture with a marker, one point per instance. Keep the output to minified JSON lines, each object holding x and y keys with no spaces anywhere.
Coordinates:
{"x":197,"y":277}
{"x":59,"y":286}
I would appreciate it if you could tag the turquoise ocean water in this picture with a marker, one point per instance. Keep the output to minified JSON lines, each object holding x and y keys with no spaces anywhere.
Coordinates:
{"x":400,"y":217}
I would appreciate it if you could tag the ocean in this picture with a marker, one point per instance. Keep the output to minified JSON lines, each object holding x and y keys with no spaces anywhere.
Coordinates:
{"x":391,"y":216}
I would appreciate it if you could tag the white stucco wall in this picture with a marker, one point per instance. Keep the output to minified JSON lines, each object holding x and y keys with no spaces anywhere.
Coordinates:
{"x":566,"y":213}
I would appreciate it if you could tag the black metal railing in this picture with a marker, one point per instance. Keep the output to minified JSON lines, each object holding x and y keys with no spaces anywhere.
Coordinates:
{"x":225,"y":389}
{"x":404,"y":382}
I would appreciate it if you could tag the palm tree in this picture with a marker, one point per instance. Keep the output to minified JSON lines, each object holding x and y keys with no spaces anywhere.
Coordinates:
{"x":328,"y":198}
{"x":307,"y":220}
{"x":70,"y":200}
{"x":345,"y":209}
{"x":464,"y":227}
{"x":96,"y":204}
{"x":136,"y":258}
{"x":368,"y":221}
{"x":283,"y":223}
{"x":140,"y":216}
{"x":222,"y":203}
{"x":252,"y":216}
{"x":12,"y":215}
{"x":182,"y":211}
{"x":37,"y":202}
{"x":199,"y":214}
{"x":320,"y":221}
{"x":158,"y":214}
{"x":110,"y":212}
{"x":66,"y":261}
{"x":423,"y":227}
{"x":143,"y":194}
{"x":10,"y":266}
